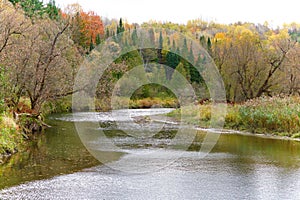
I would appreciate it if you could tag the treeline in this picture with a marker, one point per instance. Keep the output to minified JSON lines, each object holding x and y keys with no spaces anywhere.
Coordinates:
{"x":42,"y":46}
{"x":254,"y":60}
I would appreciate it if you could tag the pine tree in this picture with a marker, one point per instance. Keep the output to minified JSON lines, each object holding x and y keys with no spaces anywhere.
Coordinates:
{"x":79,"y":32}
{"x":107,"y":33}
{"x":120,"y":27}
{"x":160,"y":40}
{"x":160,"y":47}
{"x":185,"y":49}
{"x":185,"y":54}
{"x":199,"y":65}
{"x":92,"y":46}
{"x":134,"y":36}
{"x":52,"y":10}
{"x":209,"y":45}
{"x":31,"y":8}
{"x":202,"y":41}
{"x":98,"y":39}
{"x":172,"y":60}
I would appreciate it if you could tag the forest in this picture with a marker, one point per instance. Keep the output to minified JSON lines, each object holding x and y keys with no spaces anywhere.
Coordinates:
{"x":42,"y":47}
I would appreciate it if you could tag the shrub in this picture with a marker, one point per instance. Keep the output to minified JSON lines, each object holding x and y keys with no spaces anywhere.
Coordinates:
{"x":10,"y":137}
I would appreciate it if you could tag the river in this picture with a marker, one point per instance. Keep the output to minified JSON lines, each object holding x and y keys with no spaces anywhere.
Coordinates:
{"x":56,"y":165}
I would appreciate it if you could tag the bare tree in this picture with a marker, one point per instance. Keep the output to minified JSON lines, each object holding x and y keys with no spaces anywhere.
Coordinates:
{"x":41,"y":60}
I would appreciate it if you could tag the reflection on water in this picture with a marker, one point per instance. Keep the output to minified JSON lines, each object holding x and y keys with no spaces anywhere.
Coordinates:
{"x":58,"y":151}
{"x":239,"y":167}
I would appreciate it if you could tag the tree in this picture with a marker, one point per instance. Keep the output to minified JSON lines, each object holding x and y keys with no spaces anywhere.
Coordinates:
{"x":134,"y":36}
{"x":107,"y":34}
{"x":251,"y":65}
{"x":120,"y":27}
{"x":292,"y":72}
{"x":160,"y":47}
{"x":84,"y":26}
{"x":52,"y":10}
{"x":194,"y":74}
{"x":93,"y":25}
{"x":14,"y":25}
{"x":98,"y":39}
{"x":92,"y":46}
{"x":44,"y":66}
{"x":209,"y":44}
{"x":172,"y":60}
{"x":279,"y":45}
{"x":32,"y":8}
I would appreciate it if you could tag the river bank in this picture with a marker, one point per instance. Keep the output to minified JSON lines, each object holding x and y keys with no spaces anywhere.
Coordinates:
{"x":272,"y":117}
{"x":11,"y":137}
{"x":276,"y":116}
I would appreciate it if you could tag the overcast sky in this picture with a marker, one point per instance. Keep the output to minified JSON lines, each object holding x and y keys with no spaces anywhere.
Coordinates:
{"x":276,"y":12}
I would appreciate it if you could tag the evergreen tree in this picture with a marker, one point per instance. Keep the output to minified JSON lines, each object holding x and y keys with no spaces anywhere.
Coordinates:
{"x":134,"y":36}
{"x":194,"y":73}
{"x":191,"y":54}
{"x":209,"y":45}
{"x":199,"y":65}
{"x":172,"y":60}
{"x":107,"y":33}
{"x":120,"y":27}
{"x":185,"y":49}
{"x":78,"y":35}
{"x":98,"y":39}
{"x":31,"y":8}
{"x":160,"y":47}
{"x":92,"y":46}
{"x":202,"y":41}
{"x":185,"y":54}
{"x":52,"y":10}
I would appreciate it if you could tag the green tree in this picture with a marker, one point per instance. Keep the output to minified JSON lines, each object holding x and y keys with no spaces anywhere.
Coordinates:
{"x":52,"y":10}
{"x":209,"y":46}
{"x":31,"y":7}
{"x":92,"y":46}
{"x":134,"y":36}
{"x":120,"y":27}
{"x":107,"y":34}
{"x":172,"y":60}
{"x":160,"y":47}
{"x":98,"y":39}
{"x":194,"y":74}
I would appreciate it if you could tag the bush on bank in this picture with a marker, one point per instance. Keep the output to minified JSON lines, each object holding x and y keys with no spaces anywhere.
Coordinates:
{"x":10,"y":136}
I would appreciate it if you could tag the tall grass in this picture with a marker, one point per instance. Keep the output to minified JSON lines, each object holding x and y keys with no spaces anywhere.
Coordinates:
{"x":276,"y":115}
{"x":10,"y":136}
{"x":272,"y":115}
{"x":149,"y":102}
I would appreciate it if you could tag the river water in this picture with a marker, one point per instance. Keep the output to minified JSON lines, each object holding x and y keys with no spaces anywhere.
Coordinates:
{"x":58,"y":166}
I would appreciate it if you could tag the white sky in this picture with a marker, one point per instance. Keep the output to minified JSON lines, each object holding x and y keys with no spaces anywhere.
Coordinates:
{"x":224,"y":11}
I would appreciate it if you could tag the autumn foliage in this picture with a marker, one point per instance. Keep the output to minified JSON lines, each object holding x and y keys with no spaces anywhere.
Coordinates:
{"x":85,"y":26}
{"x":93,"y":25}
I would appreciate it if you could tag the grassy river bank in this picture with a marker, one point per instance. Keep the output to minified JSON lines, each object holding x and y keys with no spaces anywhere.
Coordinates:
{"x":272,"y":116}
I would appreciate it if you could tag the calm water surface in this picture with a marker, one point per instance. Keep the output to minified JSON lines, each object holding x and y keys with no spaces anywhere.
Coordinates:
{"x":58,"y":166}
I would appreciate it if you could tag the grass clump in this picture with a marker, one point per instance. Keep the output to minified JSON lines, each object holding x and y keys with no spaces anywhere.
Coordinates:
{"x":10,"y":136}
{"x":274,"y":115}
{"x":124,"y":102}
